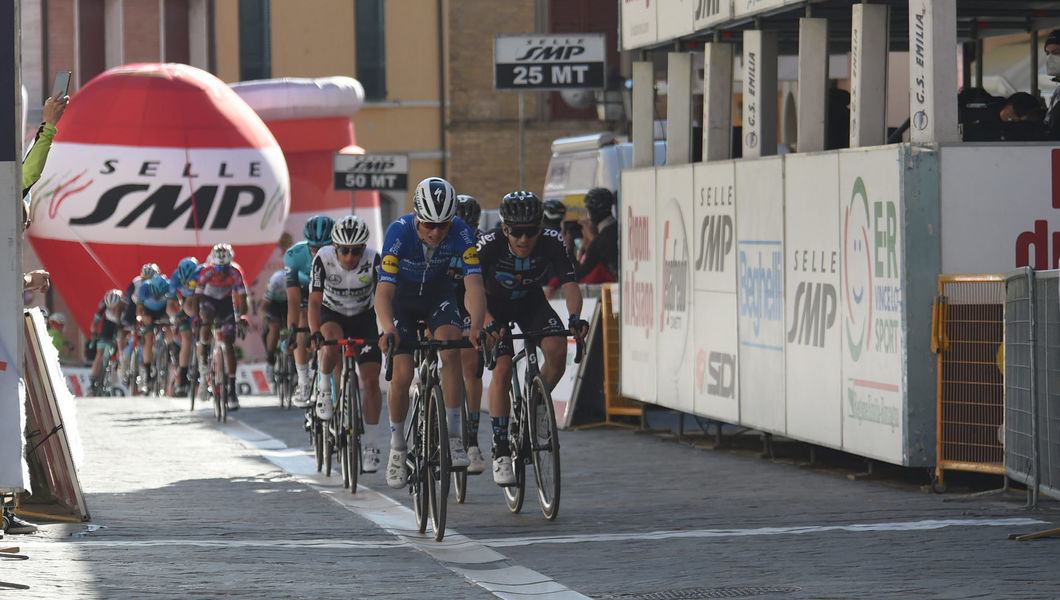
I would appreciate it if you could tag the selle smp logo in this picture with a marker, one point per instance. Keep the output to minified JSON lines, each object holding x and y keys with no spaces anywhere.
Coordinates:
{"x":369,"y":164}
{"x":542,"y":52}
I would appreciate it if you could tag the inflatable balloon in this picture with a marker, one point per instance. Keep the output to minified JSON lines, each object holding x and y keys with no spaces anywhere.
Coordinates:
{"x":154,"y":162}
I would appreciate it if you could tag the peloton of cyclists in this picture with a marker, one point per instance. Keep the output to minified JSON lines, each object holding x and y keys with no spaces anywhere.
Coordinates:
{"x":297,"y":261}
{"x":414,"y":286}
{"x":342,"y":305}
{"x":128,"y":316}
{"x":516,"y":260}
{"x":182,"y":286}
{"x":219,"y":280}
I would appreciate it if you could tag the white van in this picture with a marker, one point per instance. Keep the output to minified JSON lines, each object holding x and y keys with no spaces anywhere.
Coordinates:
{"x":583,"y":162}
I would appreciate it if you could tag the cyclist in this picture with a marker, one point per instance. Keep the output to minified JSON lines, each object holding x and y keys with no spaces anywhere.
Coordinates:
{"x":132,"y":295}
{"x":105,"y":328}
{"x":342,"y":305}
{"x":469,"y":211}
{"x":413,"y":286}
{"x":151,"y":307}
{"x":297,"y":261}
{"x":516,"y":259}
{"x":273,"y":316}
{"x":181,"y":288}
{"x":219,"y":279}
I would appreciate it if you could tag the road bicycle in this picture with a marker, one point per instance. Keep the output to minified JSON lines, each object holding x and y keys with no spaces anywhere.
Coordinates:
{"x":427,"y":434}
{"x":532,"y":433}
{"x":214,"y":381}
{"x":346,"y":428}
{"x":103,"y":383}
{"x":286,"y":376}
{"x":159,"y":385}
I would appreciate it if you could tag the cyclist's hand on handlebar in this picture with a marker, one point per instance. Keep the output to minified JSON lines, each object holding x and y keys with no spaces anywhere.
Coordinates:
{"x":315,"y":341}
{"x":242,"y":325}
{"x":474,"y":336}
{"x":384,"y":346}
{"x":578,"y":327}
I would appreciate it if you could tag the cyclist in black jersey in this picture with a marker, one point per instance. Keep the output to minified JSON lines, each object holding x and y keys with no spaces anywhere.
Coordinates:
{"x":517,"y":259}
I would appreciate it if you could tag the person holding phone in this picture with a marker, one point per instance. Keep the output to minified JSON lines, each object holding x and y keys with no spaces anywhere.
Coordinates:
{"x":33,"y":165}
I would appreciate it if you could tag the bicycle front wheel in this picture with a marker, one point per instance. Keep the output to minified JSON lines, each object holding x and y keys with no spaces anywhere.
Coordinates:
{"x":438,"y":461}
{"x":544,"y":442}
{"x":514,"y":494}
{"x":415,"y":438}
{"x":354,"y":428}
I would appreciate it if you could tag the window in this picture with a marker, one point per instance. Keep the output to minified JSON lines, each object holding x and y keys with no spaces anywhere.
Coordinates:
{"x":255,"y":56}
{"x":371,"y":48}
{"x":584,"y":16}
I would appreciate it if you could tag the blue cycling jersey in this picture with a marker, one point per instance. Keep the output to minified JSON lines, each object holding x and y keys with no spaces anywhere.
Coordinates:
{"x":296,"y":264}
{"x":185,"y":289}
{"x":149,"y":299}
{"x":414,"y":268}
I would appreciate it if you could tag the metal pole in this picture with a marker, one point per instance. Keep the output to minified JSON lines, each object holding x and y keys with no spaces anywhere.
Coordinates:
{"x":1032,"y":490}
{"x":522,"y":142}
{"x":1035,"y":90}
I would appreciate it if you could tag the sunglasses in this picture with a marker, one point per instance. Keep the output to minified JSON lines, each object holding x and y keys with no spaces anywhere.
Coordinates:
{"x":354,"y":250}
{"x":433,"y":226}
{"x":529,"y":231}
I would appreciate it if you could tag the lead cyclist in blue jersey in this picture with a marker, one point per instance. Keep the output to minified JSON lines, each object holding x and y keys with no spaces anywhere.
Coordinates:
{"x":414,"y":285}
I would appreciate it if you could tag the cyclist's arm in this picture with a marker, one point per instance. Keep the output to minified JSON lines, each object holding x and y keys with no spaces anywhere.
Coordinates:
{"x":241,"y":304}
{"x":263,"y":310}
{"x":475,"y":302}
{"x":294,"y":303}
{"x":573,"y":295}
{"x":316,"y":300}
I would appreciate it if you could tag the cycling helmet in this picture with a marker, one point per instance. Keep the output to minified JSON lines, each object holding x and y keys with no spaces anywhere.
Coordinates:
{"x":186,"y":268}
{"x":148,"y":271}
{"x":350,"y":231}
{"x":468,"y":209}
{"x":159,"y":287}
{"x":222,"y":254}
{"x":598,"y":202}
{"x":112,"y":298}
{"x":555,"y":210}
{"x":58,"y":318}
{"x":434,"y":201}
{"x":317,"y":230}
{"x":521,"y":208}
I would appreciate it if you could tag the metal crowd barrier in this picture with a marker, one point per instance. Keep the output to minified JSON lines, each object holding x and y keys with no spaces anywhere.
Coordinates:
{"x":1032,"y":381}
{"x":968,"y":336}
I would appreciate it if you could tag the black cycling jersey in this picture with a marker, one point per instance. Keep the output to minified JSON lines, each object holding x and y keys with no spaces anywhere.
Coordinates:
{"x":507,"y":276}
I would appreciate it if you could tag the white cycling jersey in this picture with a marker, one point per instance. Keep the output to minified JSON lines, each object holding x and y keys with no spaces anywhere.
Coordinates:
{"x":276,"y":290}
{"x":350,"y":292}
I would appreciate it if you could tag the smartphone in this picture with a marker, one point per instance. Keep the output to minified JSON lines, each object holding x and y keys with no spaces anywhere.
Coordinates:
{"x":62,"y":83}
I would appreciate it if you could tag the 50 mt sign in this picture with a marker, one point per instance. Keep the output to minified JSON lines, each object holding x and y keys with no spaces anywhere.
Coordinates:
{"x":549,"y":62}
{"x":371,"y":171}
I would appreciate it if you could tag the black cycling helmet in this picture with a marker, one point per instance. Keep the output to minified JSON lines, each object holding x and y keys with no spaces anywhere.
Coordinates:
{"x":555,"y":210}
{"x":521,"y":208}
{"x":468,"y":209}
{"x":598,"y":202}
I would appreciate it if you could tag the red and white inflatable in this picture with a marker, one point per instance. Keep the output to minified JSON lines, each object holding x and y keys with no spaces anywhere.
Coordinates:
{"x":154,"y":162}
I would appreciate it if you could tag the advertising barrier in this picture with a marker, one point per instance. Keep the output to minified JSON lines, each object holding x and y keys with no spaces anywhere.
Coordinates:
{"x":639,"y":297}
{"x":673,"y":231}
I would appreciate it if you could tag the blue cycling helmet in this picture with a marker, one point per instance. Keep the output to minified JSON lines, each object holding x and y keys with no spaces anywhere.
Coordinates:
{"x":186,"y":267}
{"x":317,"y":230}
{"x":159,"y":286}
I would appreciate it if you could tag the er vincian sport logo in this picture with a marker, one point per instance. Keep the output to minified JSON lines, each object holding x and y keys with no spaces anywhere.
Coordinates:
{"x":857,"y":270}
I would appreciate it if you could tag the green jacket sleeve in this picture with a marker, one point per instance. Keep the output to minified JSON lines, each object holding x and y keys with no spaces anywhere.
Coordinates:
{"x":38,"y":154}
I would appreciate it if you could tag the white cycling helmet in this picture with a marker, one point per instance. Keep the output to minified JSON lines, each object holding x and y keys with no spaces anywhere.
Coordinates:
{"x":222,"y":254}
{"x":434,"y":201}
{"x":112,"y":298}
{"x":350,"y":231}
{"x":58,"y":318}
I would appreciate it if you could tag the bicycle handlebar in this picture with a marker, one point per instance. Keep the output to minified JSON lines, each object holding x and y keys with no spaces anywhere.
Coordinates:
{"x":579,"y":350}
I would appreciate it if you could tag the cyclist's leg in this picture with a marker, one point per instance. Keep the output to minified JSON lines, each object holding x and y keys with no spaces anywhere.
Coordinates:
{"x":148,"y":341}
{"x":368,"y":366}
{"x":187,"y":343}
{"x":331,"y":329}
{"x":397,"y":397}
{"x":537,"y":314}
{"x":225,"y":318}
{"x":301,"y":353}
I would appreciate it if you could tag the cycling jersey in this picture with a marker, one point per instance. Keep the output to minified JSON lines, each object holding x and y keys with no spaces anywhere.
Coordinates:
{"x":132,"y":293}
{"x":345,"y":292}
{"x":276,"y":289}
{"x":151,"y":301}
{"x":219,"y":281}
{"x":510,"y":277}
{"x":297,"y":261}
{"x":418,"y":270}
{"x":105,"y":313}
{"x":184,"y":288}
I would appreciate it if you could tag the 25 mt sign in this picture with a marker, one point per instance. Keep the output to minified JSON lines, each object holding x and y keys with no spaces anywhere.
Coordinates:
{"x":549,"y":62}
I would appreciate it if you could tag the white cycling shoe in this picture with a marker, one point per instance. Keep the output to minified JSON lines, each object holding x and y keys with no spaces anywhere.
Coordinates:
{"x":325,"y":409}
{"x":397,"y":473}
{"x":458,"y":458}
{"x":503,"y":471}
{"x":478,"y":461}
{"x":371,"y":460}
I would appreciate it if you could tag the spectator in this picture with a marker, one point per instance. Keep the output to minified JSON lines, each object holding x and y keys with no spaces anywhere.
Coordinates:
{"x":1022,"y":106}
{"x":598,"y":262}
{"x":56,"y":325}
{"x":1052,"y":68}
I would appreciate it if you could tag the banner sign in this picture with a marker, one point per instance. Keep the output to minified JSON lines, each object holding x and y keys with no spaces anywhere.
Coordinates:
{"x":673,"y":229}
{"x":549,"y":62}
{"x":639,"y":297}
{"x":371,"y":171}
{"x":638,"y":23}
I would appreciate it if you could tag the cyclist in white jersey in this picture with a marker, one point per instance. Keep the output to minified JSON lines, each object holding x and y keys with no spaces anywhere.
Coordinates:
{"x":342,"y":283}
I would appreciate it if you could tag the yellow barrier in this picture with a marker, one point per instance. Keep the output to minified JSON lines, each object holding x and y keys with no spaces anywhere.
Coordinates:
{"x":968,"y":323}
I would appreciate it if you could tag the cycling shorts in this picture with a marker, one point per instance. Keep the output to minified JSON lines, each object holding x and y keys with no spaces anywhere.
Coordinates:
{"x":532,"y":313}
{"x":436,"y":312}
{"x":128,"y":316}
{"x":223,"y":311}
{"x":362,"y":326}
{"x":277,"y":311}
{"x":155,"y":315}
{"x":107,"y":332}
{"x":182,"y":321}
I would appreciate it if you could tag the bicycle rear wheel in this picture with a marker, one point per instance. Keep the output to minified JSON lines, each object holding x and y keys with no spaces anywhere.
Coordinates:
{"x":286,"y":384}
{"x":438,"y":461}
{"x":415,"y":437}
{"x":460,"y":476}
{"x":193,"y":375}
{"x":514,"y":494}
{"x":544,"y":442}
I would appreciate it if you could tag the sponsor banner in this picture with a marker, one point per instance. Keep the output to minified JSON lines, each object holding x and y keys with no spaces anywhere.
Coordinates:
{"x":638,"y":23}
{"x":549,"y":62}
{"x":674,"y":18}
{"x":717,"y":376}
{"x":707,"y":13}
{"x":1000,"y":208}
{"x":673,"y":230}
{"x":872,"y":303}
{"x":639,"y":298}
{"x":743,"y":8}
{"x":811,"y":299}
{"x":714,"y":227}
{"x":760,"y":277}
